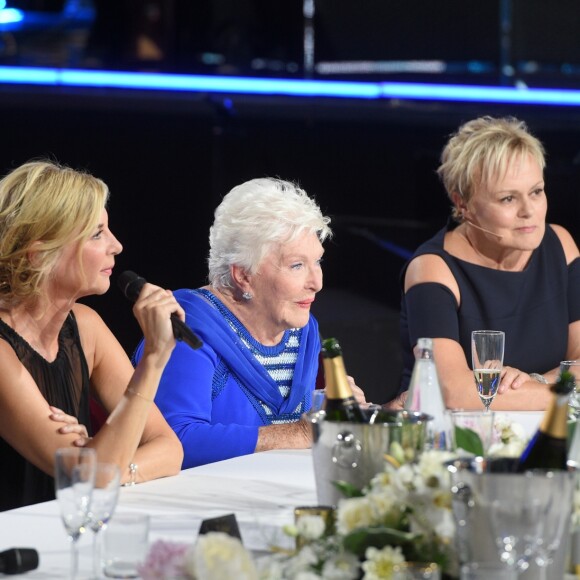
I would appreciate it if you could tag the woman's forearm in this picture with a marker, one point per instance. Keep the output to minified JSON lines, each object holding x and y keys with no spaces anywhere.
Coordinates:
{"x":296,"y":435}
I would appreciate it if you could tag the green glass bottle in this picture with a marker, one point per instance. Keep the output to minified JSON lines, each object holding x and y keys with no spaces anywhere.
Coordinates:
{"x":339,"y":402}
{"x":548,"y":447}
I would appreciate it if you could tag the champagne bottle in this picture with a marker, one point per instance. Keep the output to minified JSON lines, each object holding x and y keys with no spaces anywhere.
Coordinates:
{"x":548,"y":447}
{"x":339,"y":403}
{"x":425,"y":396}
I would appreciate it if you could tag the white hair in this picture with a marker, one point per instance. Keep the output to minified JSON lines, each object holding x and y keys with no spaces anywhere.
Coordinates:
{"x":255,"y":216}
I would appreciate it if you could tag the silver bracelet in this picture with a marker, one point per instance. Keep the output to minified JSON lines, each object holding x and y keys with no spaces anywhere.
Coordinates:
{"x":133,"y":475}
{"x":540,"y":378}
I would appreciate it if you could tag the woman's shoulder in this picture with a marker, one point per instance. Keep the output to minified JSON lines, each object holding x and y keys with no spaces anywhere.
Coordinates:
{"x":568,"y":244}
{"x":85,"y":315}
{"x":427,"y":268}
{"x":431,"y":263}
{"x":91,"y":327}
{"x":192,"y":297}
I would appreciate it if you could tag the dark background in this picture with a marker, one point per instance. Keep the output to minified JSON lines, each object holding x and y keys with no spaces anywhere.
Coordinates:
{"x":168,"y":159}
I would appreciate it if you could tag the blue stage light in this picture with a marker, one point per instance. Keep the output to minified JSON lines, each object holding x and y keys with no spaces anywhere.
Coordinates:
{"x":9,"y":15}
{"x":288,"y":87}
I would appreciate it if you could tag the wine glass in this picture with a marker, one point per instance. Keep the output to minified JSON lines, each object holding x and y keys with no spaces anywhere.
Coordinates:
{"x":560,"y":485}
{"x":74,"y":478}
{"x":103,"y":503}
{"x":487,"y":348}
{"x":518,"y":519}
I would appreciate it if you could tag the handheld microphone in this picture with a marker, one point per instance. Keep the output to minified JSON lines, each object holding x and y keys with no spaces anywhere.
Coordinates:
{"x":18,"y":560}
{"x":498,"y":236}
{"x":131,"y":284}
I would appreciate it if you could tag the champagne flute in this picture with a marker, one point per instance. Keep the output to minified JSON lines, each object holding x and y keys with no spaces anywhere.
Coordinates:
{"x":74,"y":479}
{"x":487,"y":348}
{"x":103,"y":503}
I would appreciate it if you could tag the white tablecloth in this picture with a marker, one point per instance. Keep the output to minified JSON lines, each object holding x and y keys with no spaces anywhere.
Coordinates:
{"x":262,"y":490}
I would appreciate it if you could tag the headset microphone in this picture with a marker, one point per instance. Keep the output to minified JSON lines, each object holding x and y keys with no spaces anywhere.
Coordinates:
{"x":498,"y":236}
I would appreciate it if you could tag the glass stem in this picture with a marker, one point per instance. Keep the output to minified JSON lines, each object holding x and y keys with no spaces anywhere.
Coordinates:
{"x":74,"y":559}
{"x":96,"y":555}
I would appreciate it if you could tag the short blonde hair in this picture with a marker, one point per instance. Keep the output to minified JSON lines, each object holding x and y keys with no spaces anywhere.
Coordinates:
{"x":43,"y":207}
{"x":252,"y":218}
{"x":481,"y":151}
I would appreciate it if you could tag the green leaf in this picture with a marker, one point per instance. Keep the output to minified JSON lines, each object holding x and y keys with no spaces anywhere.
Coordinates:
{"x":469,"y":440}
{"x":565,"y":383}
{"x":347,"y":489}
{"x":362,"y":538}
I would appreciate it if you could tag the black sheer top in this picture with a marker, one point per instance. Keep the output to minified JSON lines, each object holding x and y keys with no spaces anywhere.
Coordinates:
{"x":64,"y":383}
{"x":533,"y":307}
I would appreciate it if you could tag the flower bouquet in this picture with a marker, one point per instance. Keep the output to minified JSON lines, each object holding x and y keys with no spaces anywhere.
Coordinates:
{"x":403,"y":514}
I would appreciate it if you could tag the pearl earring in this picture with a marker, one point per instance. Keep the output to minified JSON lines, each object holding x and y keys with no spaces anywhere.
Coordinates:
{"x":247,"y":296}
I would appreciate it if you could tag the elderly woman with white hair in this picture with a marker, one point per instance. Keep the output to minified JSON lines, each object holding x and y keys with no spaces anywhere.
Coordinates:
{"x":245,"y":390}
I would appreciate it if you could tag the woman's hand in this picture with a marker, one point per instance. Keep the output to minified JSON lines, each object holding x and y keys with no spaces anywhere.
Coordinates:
{"x":512,"y":378}
{"x":398,"y":403}
{"x":71,"y":425}
{"x":153,"y":310}
{"x":358,"y":393}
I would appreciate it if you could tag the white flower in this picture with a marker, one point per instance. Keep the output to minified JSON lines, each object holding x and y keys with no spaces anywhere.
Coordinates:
{"x":353,"y":513}
{"x":432,"y":468}
{"x":271,"y":567}
{"x":405,"y":477}
{"x":518,"y":432}
{"x":511,"y":449}
{"x":512,"y":438}
{"x":443,"y":523}
{"x":508,"y":430}
{"x":308,"y":575}
{"x":381,"y":481}
{"x":342,"y":566}
{"x":310,"y":527}
{"x":216,"y":556}
{"x":379,"y":563}
{"x":303,"y":562}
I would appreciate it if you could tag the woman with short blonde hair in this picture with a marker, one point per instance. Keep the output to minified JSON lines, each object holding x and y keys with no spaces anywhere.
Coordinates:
{"x":497,"y":265}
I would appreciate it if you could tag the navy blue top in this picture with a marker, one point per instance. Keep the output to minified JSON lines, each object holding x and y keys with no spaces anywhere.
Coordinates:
{"x":533,"y":307}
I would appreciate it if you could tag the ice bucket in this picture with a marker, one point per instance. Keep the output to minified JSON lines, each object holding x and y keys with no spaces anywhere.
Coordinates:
{"x":355,"y":452}
{"x":476,"y":482}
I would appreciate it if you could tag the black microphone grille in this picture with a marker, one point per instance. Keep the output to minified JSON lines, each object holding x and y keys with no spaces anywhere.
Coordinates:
{"x":130,"y":284}
{"x":18,"y":560}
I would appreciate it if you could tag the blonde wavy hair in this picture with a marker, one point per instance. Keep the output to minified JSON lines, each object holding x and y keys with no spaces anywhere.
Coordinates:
{"x":43,"y":207}
{"x":481,"y":151}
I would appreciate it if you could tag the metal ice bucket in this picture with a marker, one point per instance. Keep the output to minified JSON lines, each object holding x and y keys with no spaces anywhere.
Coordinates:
{"x":356,"y":452}
{"x":476,"y":482}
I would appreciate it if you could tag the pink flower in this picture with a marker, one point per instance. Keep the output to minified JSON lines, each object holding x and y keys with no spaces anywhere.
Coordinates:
{"x":164,"y":560}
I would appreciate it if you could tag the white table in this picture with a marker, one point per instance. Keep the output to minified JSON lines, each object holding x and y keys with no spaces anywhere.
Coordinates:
{"x":262,"y":490}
